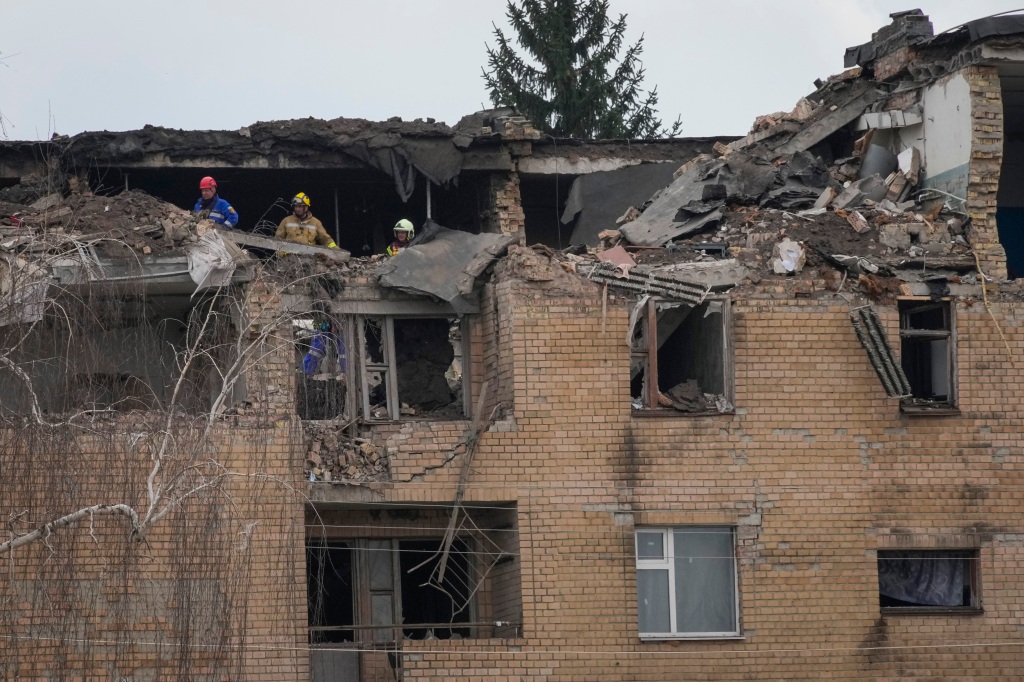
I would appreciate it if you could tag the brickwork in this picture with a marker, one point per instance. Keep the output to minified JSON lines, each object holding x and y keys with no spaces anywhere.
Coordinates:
{"x":817,"y":470}
{"x":986,"y":163}
{"x":215,"y":590}
{"x":505,"y":213}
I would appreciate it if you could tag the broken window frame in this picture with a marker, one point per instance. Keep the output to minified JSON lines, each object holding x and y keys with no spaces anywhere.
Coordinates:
{"x":910,"y":305}
{"x":366,"y":590}
{"x":971,"y":558}
{"x":649,"y":357}
{"x":667,"y":562}
{"x":388,"y":367}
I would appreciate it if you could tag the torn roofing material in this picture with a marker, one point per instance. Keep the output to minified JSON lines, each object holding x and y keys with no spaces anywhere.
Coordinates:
{"x":596,"y":200}
{"x":444,"y":263}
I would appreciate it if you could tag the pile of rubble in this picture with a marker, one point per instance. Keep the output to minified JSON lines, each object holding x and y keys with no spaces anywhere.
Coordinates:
{"x":331,"y":455}
{"x":767,"y":205}
{"x":131,"y":220}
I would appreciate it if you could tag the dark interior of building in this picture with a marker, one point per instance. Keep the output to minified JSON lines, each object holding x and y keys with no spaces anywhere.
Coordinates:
{"x":357,"y":207}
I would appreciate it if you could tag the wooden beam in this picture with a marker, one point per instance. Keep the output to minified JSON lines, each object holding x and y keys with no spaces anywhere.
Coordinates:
{"x":282,"y":246}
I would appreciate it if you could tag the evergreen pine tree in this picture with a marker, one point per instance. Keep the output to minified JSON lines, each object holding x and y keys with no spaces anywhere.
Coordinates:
{"x":571,"y":81}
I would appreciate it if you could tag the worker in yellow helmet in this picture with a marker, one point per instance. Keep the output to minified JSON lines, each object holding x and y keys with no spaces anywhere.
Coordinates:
{"x":301,"y":227}
{"x":404,"y":232}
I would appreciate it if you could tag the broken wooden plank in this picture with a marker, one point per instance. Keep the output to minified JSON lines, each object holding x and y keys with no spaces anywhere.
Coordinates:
{"x":280,"y":245}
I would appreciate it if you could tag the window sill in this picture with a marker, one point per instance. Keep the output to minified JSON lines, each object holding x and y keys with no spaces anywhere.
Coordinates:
{"x":698,"y":637}
{"x":932,"y":611}
{"x":669,"y":413}
{"x":929,"y":410}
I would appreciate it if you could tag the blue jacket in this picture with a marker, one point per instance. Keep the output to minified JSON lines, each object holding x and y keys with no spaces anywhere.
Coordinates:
{"x":221,"y":212}
{"x":318,"y":349}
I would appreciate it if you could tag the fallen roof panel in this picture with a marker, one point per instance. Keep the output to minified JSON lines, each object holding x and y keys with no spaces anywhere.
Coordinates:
{"x":444,"y":264}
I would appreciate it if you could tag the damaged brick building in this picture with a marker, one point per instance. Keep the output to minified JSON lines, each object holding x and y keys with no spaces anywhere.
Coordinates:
{"x":683,"y":409}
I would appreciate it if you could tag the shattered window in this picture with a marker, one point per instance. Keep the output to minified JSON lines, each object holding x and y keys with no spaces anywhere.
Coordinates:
{"x":680,"y":357}
{"x":928,"y":579}
{"x":412,"y":367}
{"x":926,"y":351}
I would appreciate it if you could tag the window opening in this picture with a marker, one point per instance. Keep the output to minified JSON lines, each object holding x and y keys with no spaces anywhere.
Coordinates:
{"x":928,"y":579}
{"x":321,"y":347}
{"x":412,"y":367}
{"x":926,"y":351}
{"x":329,"y":585}
{"x":686,"y":582}
{"x":679,"y":357}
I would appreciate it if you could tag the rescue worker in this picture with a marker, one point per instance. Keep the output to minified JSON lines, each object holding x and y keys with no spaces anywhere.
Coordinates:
{"x":211,"y":206}
{"x":319,"y":346}
{"x":404,"y":232}
{"x":301,"y":227}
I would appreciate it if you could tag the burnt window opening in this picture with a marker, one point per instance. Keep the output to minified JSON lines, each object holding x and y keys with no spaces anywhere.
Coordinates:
{"x":680,"y":357}
{"x":927,"y":352}
{"x":357,"y":206}
{"x":116,"y":352}
{"x":928,"y":579}
{"x":411,"y":367}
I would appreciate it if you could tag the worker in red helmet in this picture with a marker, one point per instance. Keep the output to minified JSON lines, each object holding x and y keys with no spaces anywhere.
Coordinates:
{"x":211,"y":206}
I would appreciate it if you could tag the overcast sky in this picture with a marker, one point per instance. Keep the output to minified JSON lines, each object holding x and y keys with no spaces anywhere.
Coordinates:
{"x":70,"y":66}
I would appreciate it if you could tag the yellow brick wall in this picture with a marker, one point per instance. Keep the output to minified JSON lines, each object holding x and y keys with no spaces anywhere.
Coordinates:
{"x":817,"y":470}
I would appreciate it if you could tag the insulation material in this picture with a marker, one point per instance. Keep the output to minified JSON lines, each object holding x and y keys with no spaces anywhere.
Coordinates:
{"x":212,"y":261}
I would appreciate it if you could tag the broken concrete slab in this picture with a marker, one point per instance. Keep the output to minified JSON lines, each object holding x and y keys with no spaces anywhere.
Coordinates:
{"x":444,"y":264}
{"x":871,"y":187}
{"x":718,"y":274}
{"x":862,"y":95}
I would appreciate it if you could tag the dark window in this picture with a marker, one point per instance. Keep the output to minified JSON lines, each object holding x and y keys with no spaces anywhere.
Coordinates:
{"x":928,"y":579}
{"x":926,"y":350}
{"x":329,"y":585}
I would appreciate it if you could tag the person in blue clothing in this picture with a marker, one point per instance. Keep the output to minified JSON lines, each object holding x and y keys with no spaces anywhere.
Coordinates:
{"x":211,"y":206}
{"x":319,"y":347}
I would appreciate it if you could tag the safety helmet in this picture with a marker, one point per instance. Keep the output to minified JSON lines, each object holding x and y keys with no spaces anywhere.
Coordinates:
{"x":300,"y":198}
{"x":404,"y":225}
{"x":208,"y":183}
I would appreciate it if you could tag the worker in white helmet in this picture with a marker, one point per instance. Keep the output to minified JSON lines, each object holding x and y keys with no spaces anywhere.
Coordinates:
{"x":404,"y":232}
